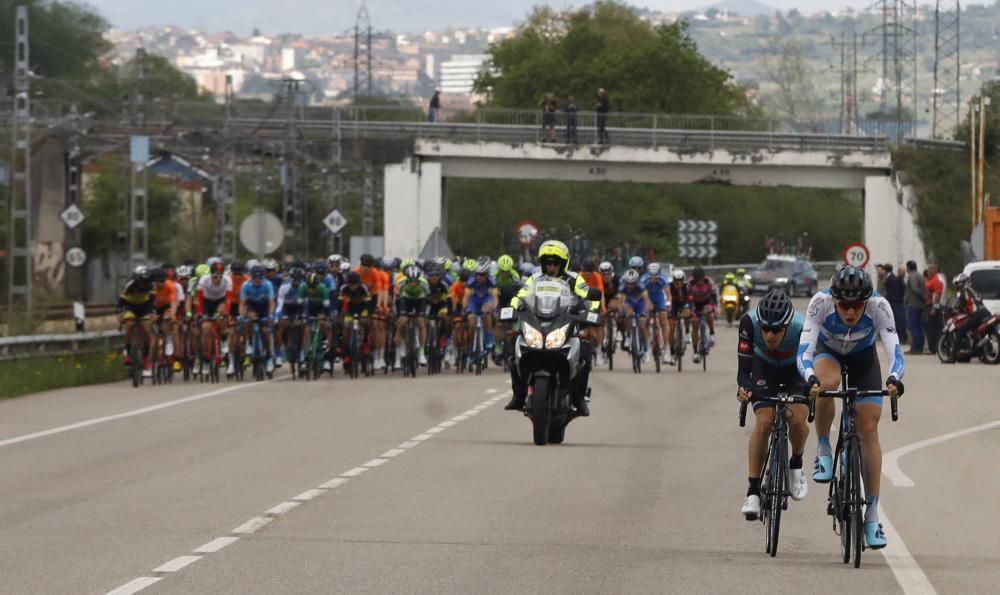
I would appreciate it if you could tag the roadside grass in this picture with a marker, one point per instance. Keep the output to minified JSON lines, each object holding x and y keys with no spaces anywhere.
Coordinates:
{"x":31,"y":375}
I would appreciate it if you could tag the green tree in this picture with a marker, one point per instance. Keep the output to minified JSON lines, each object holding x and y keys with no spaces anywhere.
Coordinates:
{"x":66,"y":38}
{"x":991,"y":90}
{"x":645,"y":68}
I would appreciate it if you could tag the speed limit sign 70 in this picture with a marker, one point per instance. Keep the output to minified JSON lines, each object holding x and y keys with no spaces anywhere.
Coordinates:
{"x":856,"y":254}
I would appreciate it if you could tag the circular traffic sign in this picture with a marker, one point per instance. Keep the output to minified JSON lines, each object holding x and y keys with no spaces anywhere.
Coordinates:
{"x":262,"y":232}
{"x":75,"y":257}
{"x":526,"y":232}
{"x":856,"y":254}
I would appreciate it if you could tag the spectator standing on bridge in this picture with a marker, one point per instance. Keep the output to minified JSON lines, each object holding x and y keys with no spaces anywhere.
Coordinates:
{"x":602,"y":106}
{"x":915,"y":301}
{"x":895,"y":293}
{"x":571,"y":108}
{"x":549,"y":109}
{"x":435,"y":106}
{"x":935,"y":295}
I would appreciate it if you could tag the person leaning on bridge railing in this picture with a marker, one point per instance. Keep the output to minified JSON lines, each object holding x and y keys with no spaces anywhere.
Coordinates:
{"x":435,"y":106}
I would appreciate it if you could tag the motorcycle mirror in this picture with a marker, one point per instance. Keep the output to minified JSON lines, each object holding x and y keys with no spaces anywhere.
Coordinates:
{"x":506,"y":314}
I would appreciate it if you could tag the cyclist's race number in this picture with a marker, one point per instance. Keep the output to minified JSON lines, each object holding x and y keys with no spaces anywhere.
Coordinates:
{"x":856,"y":254}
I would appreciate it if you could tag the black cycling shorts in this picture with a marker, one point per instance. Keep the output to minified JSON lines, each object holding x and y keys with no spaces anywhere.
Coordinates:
{"x":410,"y":307}
{"x":767,"y":377}
{"x":863,"y":369}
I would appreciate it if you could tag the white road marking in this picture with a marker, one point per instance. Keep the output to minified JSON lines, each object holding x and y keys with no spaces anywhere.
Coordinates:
{"x":446,"y":424}
{"x":136,"y":585}
{"x":435,"y":430}
{"x":908,"y":573}
{"x":253,"y":525}
{"x":890,"y":461}
{"x":309,"y":495}
{"x":334,"y":483}
{"x":133,"y":413}
{"x":375,"y":463}
{"x":354,"y":472}
{"x":391,"y":454}
{"x":217,"y":544}
{"x":177,"y":563}
{"x":491,"y":391}
{"x":282,"y":508}
{"x":408,"y":444}
{"x":421,"y":437}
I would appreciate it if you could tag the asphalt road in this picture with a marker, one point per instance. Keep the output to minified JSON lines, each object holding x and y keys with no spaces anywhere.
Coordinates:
{"x":643,"y":497}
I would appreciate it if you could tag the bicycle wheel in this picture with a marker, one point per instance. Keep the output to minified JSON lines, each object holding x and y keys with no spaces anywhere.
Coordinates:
{"x":776,"y":493}
{"x":839,"y":496}
{"x":635,"y":346}
{"x":855,"y":503}
{"x":657,"y":349}
{"x":136,"y":353}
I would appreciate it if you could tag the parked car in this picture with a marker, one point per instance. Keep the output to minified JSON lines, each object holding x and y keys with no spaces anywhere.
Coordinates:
{"x":793,"y":275}
{"x":985,"y":278}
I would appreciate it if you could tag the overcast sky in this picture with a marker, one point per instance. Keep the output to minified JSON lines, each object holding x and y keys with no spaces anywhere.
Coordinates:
{"x":334,"y":16}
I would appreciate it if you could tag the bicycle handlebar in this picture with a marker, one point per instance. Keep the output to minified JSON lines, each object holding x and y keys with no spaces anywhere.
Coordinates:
{"x":852,"y":393}
{"x":780,"y":398}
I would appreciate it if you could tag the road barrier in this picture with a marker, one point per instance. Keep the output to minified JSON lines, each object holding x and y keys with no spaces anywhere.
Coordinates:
{"x":48,"y":345}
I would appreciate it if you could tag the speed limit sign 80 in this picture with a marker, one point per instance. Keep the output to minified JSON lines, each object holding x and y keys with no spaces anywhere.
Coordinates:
{"x":856,"y":254}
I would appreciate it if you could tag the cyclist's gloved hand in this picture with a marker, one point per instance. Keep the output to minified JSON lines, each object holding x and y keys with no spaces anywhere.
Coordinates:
{"x":521,"y":306}
{"x":813,"y":385}
{"x":893,"y":381}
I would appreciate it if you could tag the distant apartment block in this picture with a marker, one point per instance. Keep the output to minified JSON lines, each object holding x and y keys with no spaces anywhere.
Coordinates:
{"x":460,"y":72}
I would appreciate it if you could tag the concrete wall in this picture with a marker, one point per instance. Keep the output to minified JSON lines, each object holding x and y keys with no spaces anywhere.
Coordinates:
{"x":891,"y":232}
{"x":412,"y":206}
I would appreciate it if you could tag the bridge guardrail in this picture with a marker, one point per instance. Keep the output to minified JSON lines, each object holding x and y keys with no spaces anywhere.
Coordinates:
{"x":47,"y":345}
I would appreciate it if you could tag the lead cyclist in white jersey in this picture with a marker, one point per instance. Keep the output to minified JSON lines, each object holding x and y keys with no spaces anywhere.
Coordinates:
{"x":840,"y":328}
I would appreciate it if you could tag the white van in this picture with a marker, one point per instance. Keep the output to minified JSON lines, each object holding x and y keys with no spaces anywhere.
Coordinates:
{"x":985,"y":277}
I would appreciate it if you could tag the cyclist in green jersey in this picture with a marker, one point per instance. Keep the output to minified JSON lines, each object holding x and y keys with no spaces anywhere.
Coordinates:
{"x":412,"y":293}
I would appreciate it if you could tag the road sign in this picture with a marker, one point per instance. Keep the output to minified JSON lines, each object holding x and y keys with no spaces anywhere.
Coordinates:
{"x":701,"y":226}
{"x":335,"y":221}
{"x":262,"y":233}
{"x":856,"y":254}
{"x":72,"y":216}
{"x":526,"y":232}
{"x":697,"y":238}
{"x":75,"y":257}
{"x":697,"y":251}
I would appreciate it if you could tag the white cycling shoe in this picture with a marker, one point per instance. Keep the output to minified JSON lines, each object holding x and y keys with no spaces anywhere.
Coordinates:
{"x":798,"y":486}
{"x":751,"y":507}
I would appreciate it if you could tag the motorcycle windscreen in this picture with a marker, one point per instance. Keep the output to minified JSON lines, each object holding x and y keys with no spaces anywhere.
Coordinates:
{"x":548,"y":297}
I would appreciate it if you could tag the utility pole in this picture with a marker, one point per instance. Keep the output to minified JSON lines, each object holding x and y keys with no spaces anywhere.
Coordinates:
{"x":368,"y":195}
{"x":225,"y":198}
{"x":363,"y":51}
{"x":293,"y":203}
{"x":947,"y":94}
{"x":335,"y":179}
{"x":19,"y":232}
{"x":848,"y":46}
{"x":898,"y":43}
{"x":138,"y":248}
{"x":74,"y":236}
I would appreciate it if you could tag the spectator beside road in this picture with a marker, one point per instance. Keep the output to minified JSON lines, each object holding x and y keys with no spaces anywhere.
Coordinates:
{"x":915,"y":301}
{"x":895,"y":293}
{"x":935,"y":295}
{"x":571,"y":108}
{"x":602,"y":106}
{"x":549,"y":117}
{"x":880,"y":279}
{"x":435,"y":106}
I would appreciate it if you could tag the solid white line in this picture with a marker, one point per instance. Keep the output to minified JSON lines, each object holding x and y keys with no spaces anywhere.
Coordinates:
{"x":375,"y":463}
{"x":334,"y":483}
{"x":391,"y":454}
{"x":282,"y":508}
{"x":890,"y":461}
{"x":177,"y":563}
{"x":354,"y":472}
{"x":133,"y":413}
{"x":216,"y":544}
{"x":253,"y":525}
{"x":408,"y":444}
{"x":309,"y":495}
{"x":136,"y":585}
{"x":908,"y":573}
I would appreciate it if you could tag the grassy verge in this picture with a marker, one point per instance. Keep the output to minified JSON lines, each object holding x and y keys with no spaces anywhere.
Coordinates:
{"x":37,"y":374}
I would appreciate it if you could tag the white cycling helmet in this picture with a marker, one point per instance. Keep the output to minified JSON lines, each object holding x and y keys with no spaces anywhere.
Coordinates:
{"x":334,"y":259}
{"x":606,"y":267}
{"x":253,"y":262}
{"x":653,"y":268}
{"x":679,"y":275}
{"x":631,"y":276}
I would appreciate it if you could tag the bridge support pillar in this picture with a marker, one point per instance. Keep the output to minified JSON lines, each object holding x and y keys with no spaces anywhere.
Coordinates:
{"x":413,"y":206}
{"x":891,"y":232}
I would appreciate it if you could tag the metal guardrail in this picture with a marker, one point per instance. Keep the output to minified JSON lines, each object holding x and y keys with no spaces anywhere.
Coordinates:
{"x":49,"y":345}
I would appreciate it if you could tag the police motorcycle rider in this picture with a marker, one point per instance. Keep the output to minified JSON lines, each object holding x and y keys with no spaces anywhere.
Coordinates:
{"x":553,"y":258}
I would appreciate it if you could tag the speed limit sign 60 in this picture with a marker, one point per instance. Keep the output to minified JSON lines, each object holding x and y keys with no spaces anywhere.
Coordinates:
{"x":856,"y":254}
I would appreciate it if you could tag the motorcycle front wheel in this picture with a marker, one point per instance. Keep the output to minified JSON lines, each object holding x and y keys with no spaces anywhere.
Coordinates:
{"x":540,"y":411}
{"x":945,"y":344}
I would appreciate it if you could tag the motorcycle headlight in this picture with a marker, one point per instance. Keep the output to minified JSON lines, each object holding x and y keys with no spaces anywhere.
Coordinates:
{"x":556,"y":338}
{"x":532,"y":336}
{"x":781,"y":280}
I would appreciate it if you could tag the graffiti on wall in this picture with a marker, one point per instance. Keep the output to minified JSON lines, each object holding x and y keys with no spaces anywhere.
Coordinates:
{"x":48,"y":265}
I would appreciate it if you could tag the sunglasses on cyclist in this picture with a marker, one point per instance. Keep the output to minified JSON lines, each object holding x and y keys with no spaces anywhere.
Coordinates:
{"x":851,"y":304}
{"x":772,"y":330}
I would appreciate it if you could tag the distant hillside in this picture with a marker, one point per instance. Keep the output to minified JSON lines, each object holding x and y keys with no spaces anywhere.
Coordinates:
{"x":747,"y":8}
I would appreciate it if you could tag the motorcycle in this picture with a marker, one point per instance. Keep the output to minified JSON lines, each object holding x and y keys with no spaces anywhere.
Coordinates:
{"x":984,"y":343}
{"x":547,"y":354}
{"x":730,"y":302}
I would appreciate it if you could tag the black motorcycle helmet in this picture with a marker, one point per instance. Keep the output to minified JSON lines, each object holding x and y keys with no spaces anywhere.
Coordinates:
{"x":775,"y":310}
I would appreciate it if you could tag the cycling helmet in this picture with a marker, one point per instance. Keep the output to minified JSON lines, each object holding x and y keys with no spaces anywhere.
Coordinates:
{"x":483,"y":266}
{"x":367,"y":260}
{"x":506,"y":263}
{"x":606,"y":268}
{"x":390,"y":263}
{"x":203,"y":269}
{"x":960,"y":281}
{"x":631,"y":276}
{"x":314,"y":280}
{"x":679,"y":275}
{"x":319,"y":267}
{"x":236,"y":267}
{"x":469,"y":265}
{"x":298,"y":274}
{"x":353,"y":278}
{"x":741,"y":271}
{"x":554,"y":251}
{"x":442,"y":262}
{"x":589,"y":265}
{"x":183,"y":272}
{"x":697,"y":273}
{"x":433,"y":270}
{"x":158,"y":275}
{"x":851,"y":283}
{"x":345,"y":264}
{"x":729,"y":278}
{"x":334,"y":259}
{"x":412,"y":272}
{"x":142,"y":272}
{"x":775,"y":310}
{"x":271,"y":265}
{"x":635,"y":262}
{"x":212,"y":260}
{"x":527,"y":269}
{"x":653,"y":268}
{"x":257,"y":272}
{"x":252,"y":263}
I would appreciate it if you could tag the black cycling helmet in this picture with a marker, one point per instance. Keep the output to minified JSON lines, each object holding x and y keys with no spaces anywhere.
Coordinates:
{"x":697,"y":273}
{"x":367,"y":260}
{"x":775,"y":310}
{"x":353,"y":278}
{"x":298,"y":274}
{"x":589,"y":265}
{"x":851,"y":283}
{"x":158,"y":275}
{"x":236,"y":266}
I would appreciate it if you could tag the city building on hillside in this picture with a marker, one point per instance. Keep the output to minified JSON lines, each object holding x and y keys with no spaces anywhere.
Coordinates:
{"x":460,"y":72}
